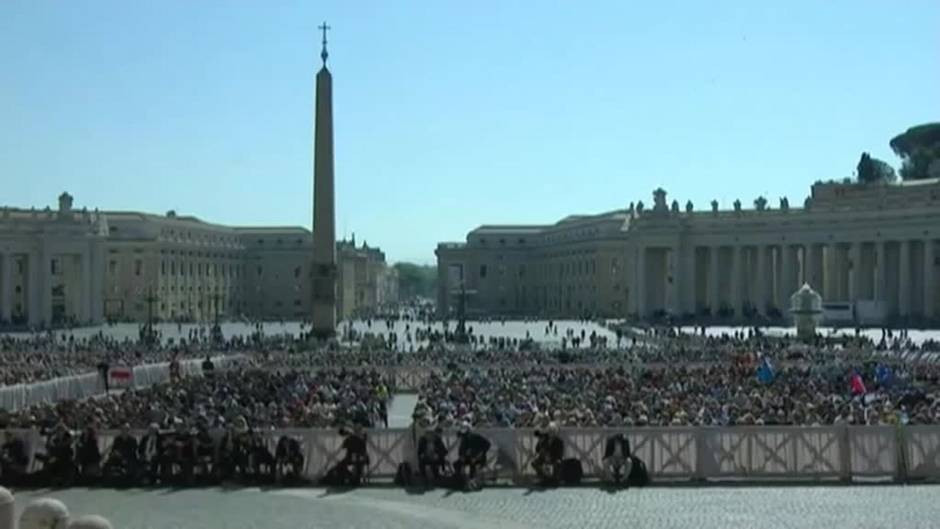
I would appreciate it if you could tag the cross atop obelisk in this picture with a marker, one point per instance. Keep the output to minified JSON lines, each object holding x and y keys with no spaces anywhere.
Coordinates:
{"x":323,"y":54}
{"x":324,"y":213}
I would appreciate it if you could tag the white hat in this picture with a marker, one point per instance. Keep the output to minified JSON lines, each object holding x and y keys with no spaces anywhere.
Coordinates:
{"x":45,"y":513}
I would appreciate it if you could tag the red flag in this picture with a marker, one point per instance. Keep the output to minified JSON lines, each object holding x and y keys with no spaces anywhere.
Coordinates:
{"x":858,"y":387}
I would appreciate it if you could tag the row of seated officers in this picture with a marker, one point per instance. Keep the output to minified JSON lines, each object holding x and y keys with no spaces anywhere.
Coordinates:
{"x":178,"y":456}
{"x":190,"y":456}
{"x":621,"y":468}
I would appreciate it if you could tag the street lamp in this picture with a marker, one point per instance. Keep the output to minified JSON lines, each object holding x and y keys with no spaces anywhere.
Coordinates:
{"x":149,"y":333}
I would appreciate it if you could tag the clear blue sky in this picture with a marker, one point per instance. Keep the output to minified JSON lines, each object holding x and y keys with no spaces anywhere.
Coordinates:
{"x":452,"y":114}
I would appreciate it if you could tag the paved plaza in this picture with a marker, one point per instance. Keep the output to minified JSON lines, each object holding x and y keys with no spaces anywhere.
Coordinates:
{"x":510,"y":328}
{"x":896,"y":507}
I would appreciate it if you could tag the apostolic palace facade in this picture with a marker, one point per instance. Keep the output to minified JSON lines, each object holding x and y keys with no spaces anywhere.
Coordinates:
{"x":869,"y":249}
{"x":81,"y":266}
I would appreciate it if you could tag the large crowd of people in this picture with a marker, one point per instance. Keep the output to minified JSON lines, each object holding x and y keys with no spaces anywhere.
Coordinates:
{"x":553,"y":377}
{"x":724,"y":382}
{"x":264,"y":397}
{"x":46,"y":355}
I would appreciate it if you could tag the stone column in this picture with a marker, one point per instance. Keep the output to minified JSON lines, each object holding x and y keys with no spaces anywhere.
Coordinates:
{"x":904,"y":279}
{"x":855,"y":288}
{"x":85,"y":313}
{"x":714,"y":279}
{"x":676,"y":300}
{"x":930,"y":289}
{"x":6,"y":286}
{"x":786,"y":278}
{"x":689,"y":279}
{"x":737,"y":280}
{"x":98,"y":269}
{"x":34,"y":286}
{"x":763,"y":280}
{"x":832,"y":281}
{"x":880,"y":275}
{"x":641,"y":281}
{"x":814,"y":268}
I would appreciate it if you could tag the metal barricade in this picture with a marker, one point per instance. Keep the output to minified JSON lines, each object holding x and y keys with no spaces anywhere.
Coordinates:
{"x":670,"y":453}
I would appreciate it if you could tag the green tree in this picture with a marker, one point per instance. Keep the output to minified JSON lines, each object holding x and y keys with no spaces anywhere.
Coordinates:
{"x":919,"y":150}
{"x":871,"y":170}
{"x":416,"y":281}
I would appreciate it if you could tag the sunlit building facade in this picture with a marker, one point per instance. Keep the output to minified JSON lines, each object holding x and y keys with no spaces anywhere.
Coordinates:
{"x":870,"y":249}
{"x":65,"y":265}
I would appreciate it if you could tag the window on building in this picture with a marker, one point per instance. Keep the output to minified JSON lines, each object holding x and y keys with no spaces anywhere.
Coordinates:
{"x":112,"y":267}
{"x":482,"y":271}
{"x":172,"y":268}
{"x":163,"y":267}
{"x":138,"y":267}
{"x":56,"y":269}
{"x":296,"y":302}
{"x":296,"y":272}
{"x":259,"y":271}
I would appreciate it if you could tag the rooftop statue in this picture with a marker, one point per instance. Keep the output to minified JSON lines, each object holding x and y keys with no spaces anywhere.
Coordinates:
{"x":659,"y":200}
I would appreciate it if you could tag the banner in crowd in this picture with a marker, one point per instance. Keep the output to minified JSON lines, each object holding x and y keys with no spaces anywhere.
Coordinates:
{"x":121,"y":377}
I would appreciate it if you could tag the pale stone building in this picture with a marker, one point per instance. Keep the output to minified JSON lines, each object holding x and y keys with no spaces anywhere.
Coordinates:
{"x":51,"y":264}
{"x":868,"y":249}
{"x":364,"y":281}
{"x":80,"y":266}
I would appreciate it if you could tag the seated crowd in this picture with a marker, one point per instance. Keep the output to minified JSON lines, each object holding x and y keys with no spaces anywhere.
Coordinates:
{"x":717,"y":394}
{"x":266,"y":398}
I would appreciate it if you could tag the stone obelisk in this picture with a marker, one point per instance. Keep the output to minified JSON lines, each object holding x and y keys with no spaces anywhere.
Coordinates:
{"x":324,"y":213}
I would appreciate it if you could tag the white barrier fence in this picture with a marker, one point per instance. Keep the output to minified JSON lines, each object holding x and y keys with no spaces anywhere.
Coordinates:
{"x":673,"y":453}
{"x":85,"y":385}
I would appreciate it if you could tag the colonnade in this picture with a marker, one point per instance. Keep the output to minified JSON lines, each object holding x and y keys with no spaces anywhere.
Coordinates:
{"x":36,"y":286}
{"x":880,"y":278}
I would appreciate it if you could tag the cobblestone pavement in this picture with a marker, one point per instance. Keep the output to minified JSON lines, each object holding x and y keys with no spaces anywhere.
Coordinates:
{"x":896,"y":507}
{"x":512,"y":329}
